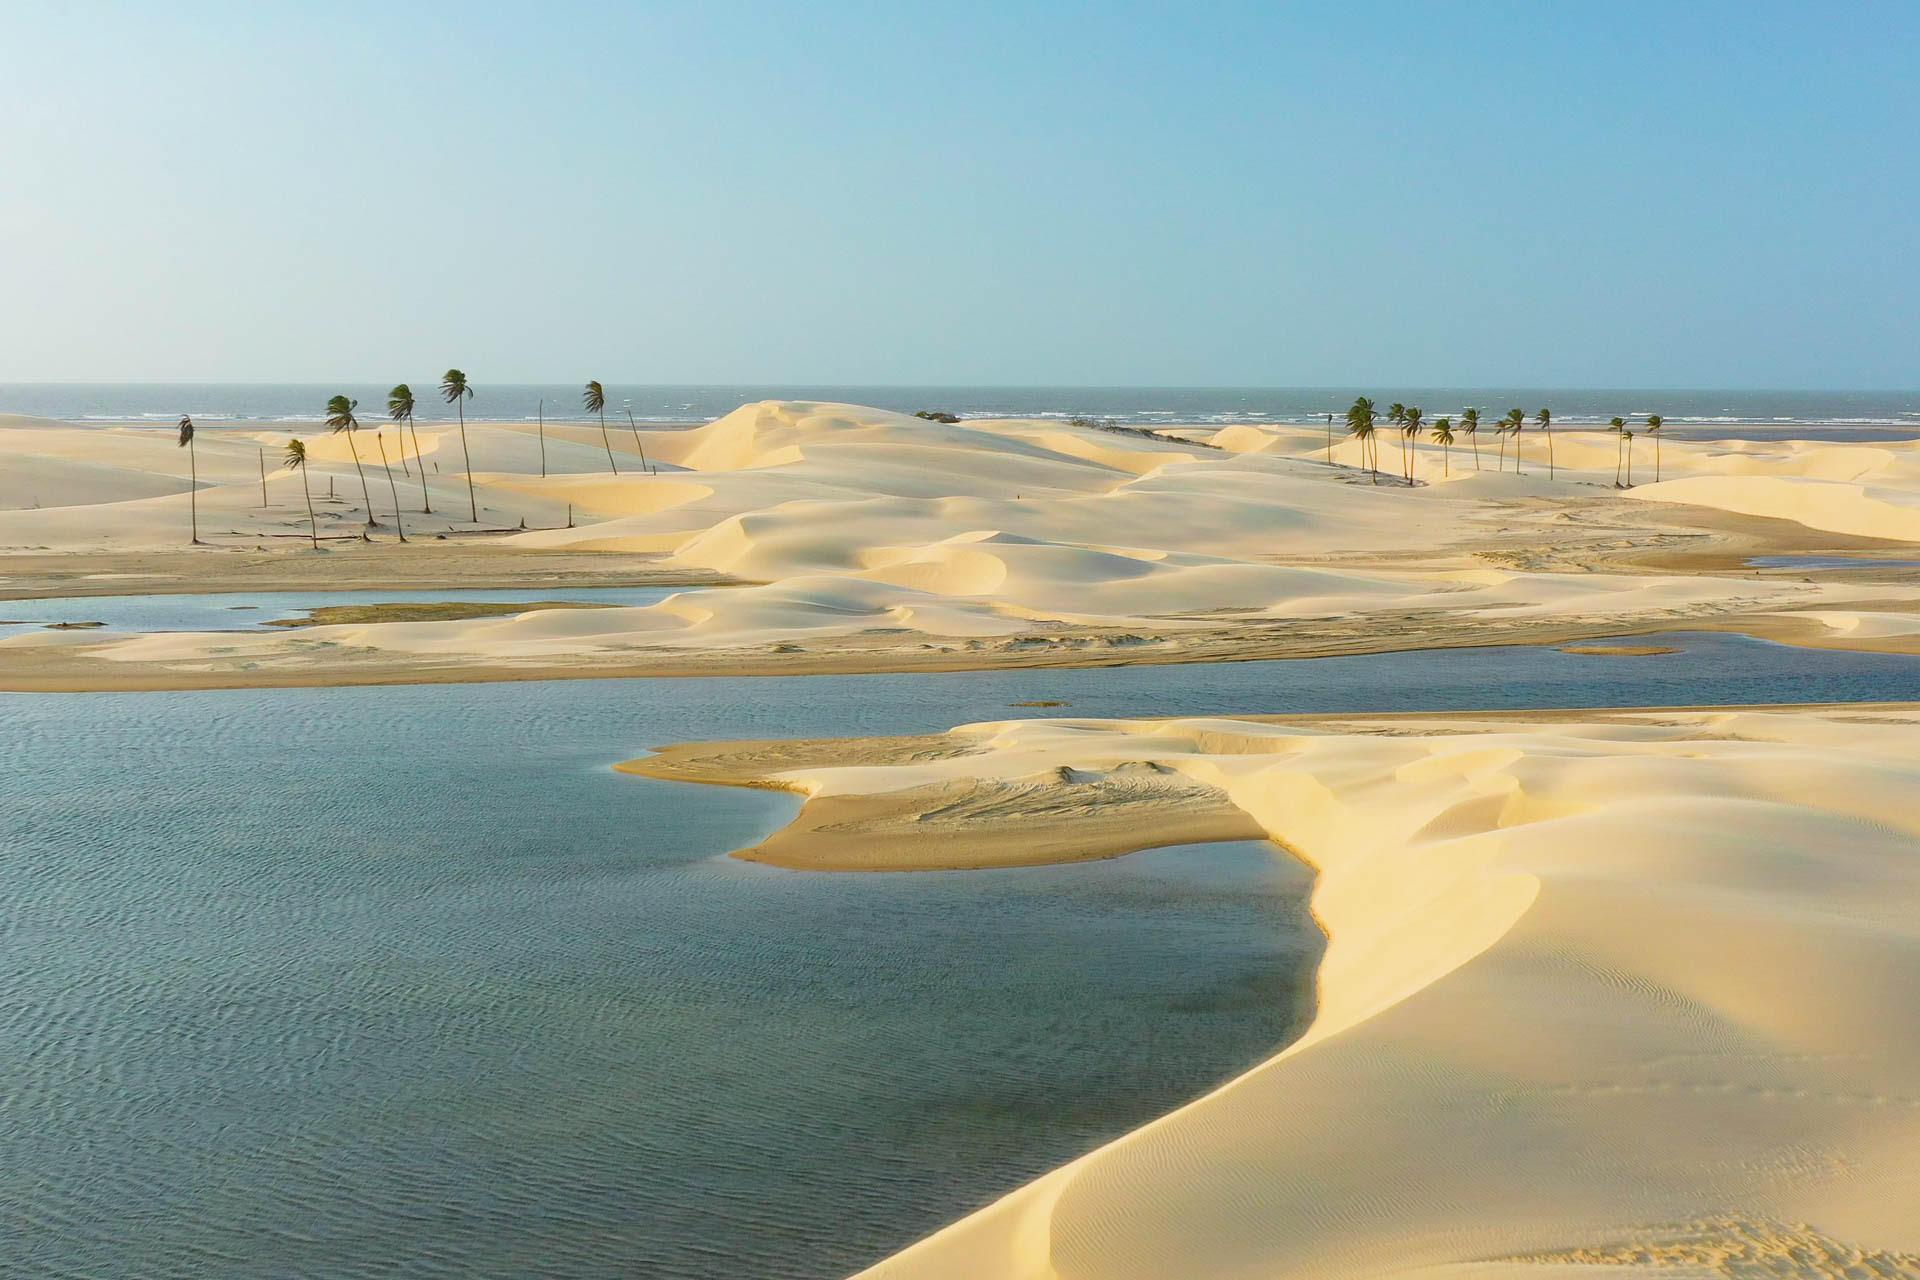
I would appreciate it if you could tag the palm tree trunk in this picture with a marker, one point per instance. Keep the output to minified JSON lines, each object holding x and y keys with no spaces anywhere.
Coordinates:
{"x":1503,"y":451}
{"x":473,"y":503}
{"x":1516,"y":451}
{"x":426,"y":503}
{"x":543,"y":439}
{"x":607,"y":443}
{"x":364,"y":491}
{"x":1618,"y":442}
{"x":1549,"y":453}
{"x":1629,"y":462}
{"x":1656,"y":459}
{"x":263,"y":479}
{"x":1474,"y":440}
{"x":193,"y":490}
{"x":636,"y":442}
{"x":398,"y":525}
{"x":1329,"y":439}
{"x":313,"y":526}
{"x":1446,"y":462}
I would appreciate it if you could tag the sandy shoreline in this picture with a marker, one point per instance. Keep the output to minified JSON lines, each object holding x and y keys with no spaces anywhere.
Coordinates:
{"x":855,"y":540}
{"x":1534,"y":1053}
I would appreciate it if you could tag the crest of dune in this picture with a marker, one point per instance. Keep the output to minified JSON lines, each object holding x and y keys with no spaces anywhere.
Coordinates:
{"x":997,"y":528}
{"x":1609,"y":996}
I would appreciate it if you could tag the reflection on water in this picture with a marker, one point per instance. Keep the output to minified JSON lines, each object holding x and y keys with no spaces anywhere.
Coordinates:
{"x":376,"y":981}
{"x":249,"y":610}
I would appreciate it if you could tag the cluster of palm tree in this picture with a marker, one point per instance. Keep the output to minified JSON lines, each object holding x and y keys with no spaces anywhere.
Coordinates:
{"x":342,"y":417}
{"x":1410,"y":420}
{"x":1624,"y":447}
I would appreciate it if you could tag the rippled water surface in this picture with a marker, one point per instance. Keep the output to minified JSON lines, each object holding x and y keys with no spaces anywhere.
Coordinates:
{"x":250,"y":610}
{"x":407,"y":982}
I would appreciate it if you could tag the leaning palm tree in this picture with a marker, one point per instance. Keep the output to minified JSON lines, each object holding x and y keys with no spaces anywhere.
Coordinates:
{"x":340,"y":418}
{"x":1619,"y":428}
{"x":1409,"y":438}
{"x":193,"y":479}
{"x":1360,"y":427}
{"x":400,"y":406}
{"x":1443,"y":436}
{"x":1545,"y":418}
{"x":399,"y":525}
{"x":595,"y":399}
{"x":1511,"y":426}
{"x":1470,"y":424}
{"x":1654,"y":423}
{"x":456,"y":391}
{"x":296,"y":459}
{"x":628,"y":406}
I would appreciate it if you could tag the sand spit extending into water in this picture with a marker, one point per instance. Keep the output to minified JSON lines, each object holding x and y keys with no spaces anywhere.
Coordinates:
{"x":869,"y":540}
{"x":1615,"y":992}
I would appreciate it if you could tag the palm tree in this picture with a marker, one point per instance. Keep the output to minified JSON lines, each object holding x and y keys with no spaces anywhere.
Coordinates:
{"x":400,"y":405}
{"x":1443,"y":436}
{"x":595,"y":399}
{"x":628,"y":406}
{"x":399,"y":525}
{"x":1510,"y":426}
{"x":1360,"y":427}
{"x":1654,"y":423}
{"x":456,"y":391}
{"x":1628,"y":435}
{"x":1409,"y":437}
{"x":1545,"y":418}
{"x":1619,"y":428}
{"x":340,"y":418}
{"x":297,"y":460}
{"x":193,"y":479}
{"x":1470,"y":423}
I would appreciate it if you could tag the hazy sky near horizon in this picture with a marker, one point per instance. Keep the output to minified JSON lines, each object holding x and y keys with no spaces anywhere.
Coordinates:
{"x":1630,"y":194}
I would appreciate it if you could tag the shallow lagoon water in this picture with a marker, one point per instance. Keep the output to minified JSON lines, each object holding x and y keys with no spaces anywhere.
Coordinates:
{"x":251,"y":610}
{"x":1828,"y":562}
{"x":407,"y":982}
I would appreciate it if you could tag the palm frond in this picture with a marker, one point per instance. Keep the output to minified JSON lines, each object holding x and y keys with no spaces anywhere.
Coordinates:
{"x":400,"y":403}
{"x":296,"y":454}
{"x":186,"y":431}
{"x":594,"y":397}
{"x":340,"y":414}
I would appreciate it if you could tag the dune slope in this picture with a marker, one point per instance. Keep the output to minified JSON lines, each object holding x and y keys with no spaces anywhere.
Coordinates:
{"x":1618,"y":994}
{"x":871,"y":540}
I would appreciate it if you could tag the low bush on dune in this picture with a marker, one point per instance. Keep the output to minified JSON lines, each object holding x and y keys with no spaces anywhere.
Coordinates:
{"x":937,"y":415}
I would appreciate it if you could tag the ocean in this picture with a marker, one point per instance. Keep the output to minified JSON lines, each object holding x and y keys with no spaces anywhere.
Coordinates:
{"x":1848,"y":415}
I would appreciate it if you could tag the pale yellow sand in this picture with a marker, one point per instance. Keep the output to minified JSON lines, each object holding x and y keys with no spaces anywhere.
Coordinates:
{"x":1618,"y":994}
{"x":880,"y":541}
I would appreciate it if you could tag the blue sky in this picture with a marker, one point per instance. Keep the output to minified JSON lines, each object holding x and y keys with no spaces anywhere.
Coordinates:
{"x":1541,"y":194}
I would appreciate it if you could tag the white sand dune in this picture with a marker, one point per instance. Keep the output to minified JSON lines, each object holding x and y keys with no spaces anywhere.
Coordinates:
{"x":1628,"y":994}
{"x":860,"y":525}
